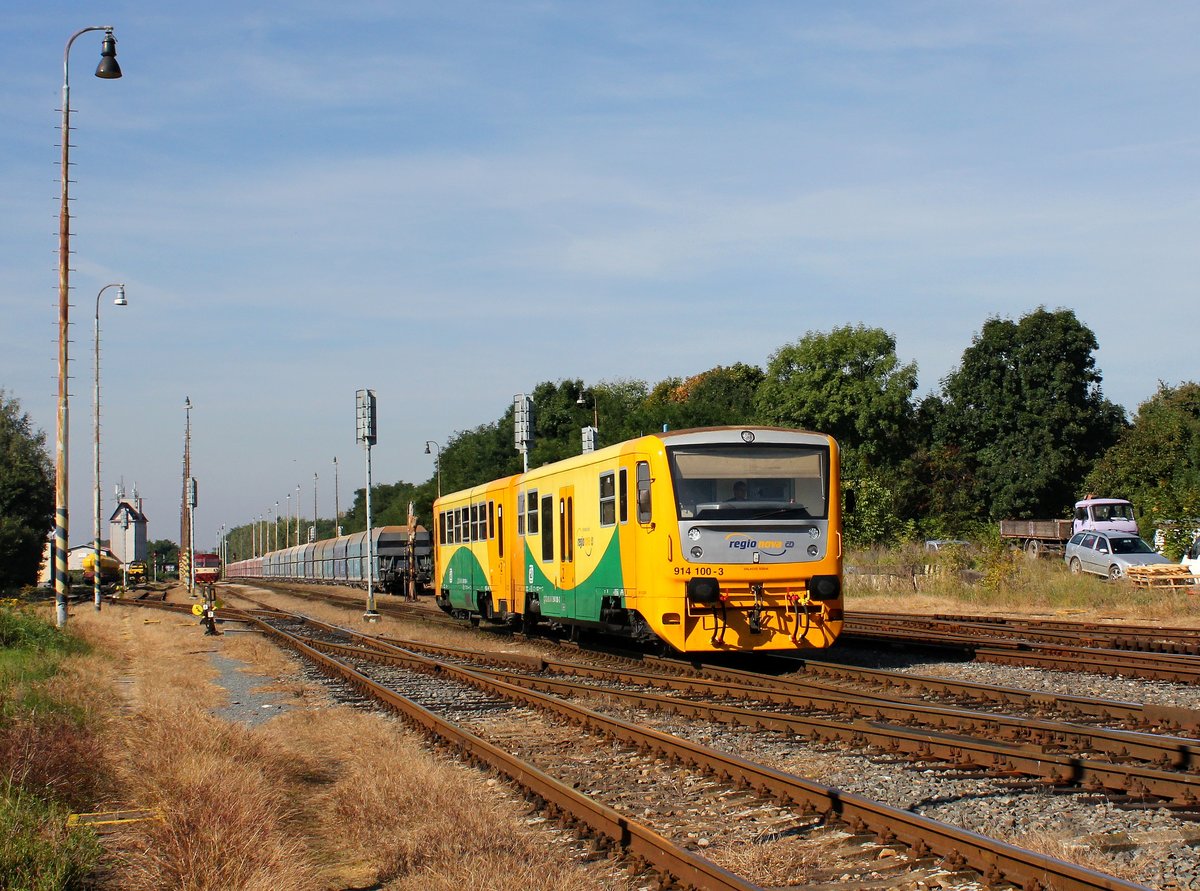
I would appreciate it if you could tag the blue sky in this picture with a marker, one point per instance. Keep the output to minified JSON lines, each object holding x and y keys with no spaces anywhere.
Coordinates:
{"x":452,"y":202}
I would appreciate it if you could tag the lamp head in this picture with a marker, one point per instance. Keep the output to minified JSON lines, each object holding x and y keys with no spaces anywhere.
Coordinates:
{"x":580,"y":400}
{"x":108,"y":67}
{"x":427,"y":452}
{"x":187,"y":403}
{"x":120,"y":301}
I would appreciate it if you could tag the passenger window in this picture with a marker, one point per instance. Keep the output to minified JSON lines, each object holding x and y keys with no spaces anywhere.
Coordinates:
{"x":548,"y":528}
{"x":532,"y":512}
{"x":521,"y":512}
{"x":608,"y":499}
{"x":473,"y":521}
{"x":643,"y":491}
{"x":624,"y":495}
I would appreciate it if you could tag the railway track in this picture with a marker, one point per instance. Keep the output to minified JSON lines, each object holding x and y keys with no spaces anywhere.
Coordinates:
{"x":506,"y":698}
{"x":1168,"y":655}
{"x":787,"y":802}
{"x":1090,"y":733}
{"x":1123,"y":636}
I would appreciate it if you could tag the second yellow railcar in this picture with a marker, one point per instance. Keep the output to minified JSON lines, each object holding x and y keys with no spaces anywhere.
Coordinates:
{"x":718,"y":539}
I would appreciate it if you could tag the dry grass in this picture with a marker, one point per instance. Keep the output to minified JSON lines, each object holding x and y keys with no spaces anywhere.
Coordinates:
{"x":319,"y":797}
{"x":1068,"y":848}
{"x":1000,"y":581}
{"x":795,"y":860}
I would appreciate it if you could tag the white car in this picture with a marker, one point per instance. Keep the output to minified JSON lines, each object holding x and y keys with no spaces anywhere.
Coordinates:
{"x":1191,"y":558}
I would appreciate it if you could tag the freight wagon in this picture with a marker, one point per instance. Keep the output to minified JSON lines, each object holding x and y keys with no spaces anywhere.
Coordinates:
{"x":343,"y":561}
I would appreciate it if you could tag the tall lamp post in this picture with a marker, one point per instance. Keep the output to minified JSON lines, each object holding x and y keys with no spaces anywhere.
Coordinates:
{"x":108,"y":69}
{"x":437,"y":461}
{"x":185,"y":523}
{"x":287,"y":523}
{"x":275,"y":531}
{"x":120,"y":301}
{"x":298,"y":491}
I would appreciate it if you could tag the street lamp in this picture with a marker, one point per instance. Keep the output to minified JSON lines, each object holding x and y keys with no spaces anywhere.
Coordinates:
{"x":275,"y":531}
{"x":287,"y":523}
{"x":120,"y":301}
{"x":437,"y":461}
{"x":107,"y":69}
{"x":298,"y":490}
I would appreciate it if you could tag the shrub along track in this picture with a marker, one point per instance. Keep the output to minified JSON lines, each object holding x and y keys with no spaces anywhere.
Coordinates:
{"x":626,"y":761}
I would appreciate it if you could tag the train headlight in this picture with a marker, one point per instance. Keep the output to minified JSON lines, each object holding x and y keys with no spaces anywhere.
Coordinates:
{"x":813,"y":550}
{"x":814,"y":532}
{"x":697,"y":552}
{"x":824,"y":587}
{"x":694,"y":534}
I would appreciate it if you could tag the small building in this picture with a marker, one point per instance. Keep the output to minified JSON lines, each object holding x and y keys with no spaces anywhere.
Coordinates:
{"x":127,"y":530}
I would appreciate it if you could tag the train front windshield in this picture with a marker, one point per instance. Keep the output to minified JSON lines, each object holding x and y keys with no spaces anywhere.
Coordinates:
{"x":751,"y":482}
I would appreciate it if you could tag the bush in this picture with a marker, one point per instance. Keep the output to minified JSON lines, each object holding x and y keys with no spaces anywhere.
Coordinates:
{"x":48,"y":762}
{"x":37,"y":850}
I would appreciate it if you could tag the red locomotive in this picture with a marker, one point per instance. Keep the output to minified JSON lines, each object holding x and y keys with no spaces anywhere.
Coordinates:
{"x":208,"y":569}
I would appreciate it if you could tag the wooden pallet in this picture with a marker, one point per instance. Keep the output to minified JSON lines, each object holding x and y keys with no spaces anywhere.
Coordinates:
{"x":1162,"y":575}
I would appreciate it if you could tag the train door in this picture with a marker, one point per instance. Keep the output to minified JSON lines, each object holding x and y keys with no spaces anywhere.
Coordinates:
{"x":566,"y":548}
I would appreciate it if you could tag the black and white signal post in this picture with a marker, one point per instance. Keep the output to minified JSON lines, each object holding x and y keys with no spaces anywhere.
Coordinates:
{"x":367,"y":434}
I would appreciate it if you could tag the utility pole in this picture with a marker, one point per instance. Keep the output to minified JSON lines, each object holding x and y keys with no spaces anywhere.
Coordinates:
{"x":314,"y":525}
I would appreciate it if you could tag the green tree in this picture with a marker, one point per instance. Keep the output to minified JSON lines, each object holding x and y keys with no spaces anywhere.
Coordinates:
{"x":848,"y":383}
{"x":1023,"y":418}
{"x":718,"y":397}
{"x":26,"y":496}
{"x":162,"y":551}
{"x":1156,"y":462}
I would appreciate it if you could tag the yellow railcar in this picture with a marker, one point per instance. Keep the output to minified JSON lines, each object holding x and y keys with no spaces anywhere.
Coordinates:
{"x":718,"y":539}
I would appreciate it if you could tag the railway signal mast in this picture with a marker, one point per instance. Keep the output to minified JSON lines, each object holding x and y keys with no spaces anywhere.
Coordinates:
{"x":522,"y":428}
{"x":367,"y":434}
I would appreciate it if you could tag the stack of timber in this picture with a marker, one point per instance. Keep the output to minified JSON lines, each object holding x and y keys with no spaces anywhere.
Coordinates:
{"x":1162,"y":575}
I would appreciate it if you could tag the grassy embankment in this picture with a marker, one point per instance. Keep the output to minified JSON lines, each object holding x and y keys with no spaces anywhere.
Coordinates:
{"x":993,"y":579}
{"x":321,"y":796}
{"x":48,"y":735}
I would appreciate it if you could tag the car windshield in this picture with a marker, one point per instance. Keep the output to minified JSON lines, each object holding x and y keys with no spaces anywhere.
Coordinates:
{"x":1129,"y":544}
{"x":751,"y":481}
